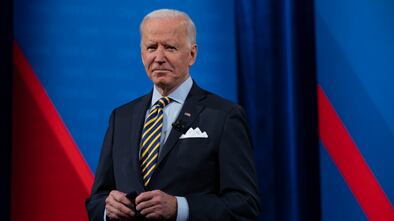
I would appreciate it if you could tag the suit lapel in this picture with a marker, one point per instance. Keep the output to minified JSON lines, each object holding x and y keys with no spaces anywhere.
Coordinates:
{"x":138,"y":118}
{"x":188,"y":114}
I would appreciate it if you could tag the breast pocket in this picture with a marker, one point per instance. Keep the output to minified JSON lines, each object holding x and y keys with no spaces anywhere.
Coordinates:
{"x":195,"y":154}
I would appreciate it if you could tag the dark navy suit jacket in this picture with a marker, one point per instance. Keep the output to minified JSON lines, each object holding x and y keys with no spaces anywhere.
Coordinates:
{"x":216,"y":175}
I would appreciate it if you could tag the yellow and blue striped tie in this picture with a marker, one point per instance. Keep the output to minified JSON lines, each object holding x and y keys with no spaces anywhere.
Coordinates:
{"x":150,"y":141}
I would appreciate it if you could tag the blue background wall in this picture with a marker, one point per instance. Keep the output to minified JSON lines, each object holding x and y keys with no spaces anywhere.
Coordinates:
{"x":355,"y":51}
{"x":87,"y":56}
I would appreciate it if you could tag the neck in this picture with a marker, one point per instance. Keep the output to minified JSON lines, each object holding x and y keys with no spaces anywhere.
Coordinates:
{"x":165,"y":90}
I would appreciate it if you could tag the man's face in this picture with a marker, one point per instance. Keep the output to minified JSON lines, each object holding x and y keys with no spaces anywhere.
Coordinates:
{"x":166,"y":51}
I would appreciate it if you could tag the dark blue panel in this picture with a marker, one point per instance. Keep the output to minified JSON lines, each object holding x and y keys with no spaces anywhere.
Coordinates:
{"x":277,"y":86}
{"x":6,"y":109}
{"x":86,"y":54}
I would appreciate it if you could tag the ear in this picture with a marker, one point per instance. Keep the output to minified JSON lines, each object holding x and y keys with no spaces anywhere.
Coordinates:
{"x":193,"y":54}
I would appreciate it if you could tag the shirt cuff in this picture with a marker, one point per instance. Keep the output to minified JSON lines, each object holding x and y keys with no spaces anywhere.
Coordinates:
{"x":105,"y":215}
{"x":183,"y":209}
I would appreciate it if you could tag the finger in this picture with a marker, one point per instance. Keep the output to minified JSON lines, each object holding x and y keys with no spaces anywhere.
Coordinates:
{"x":149,"y":210}
{"x":118,"y":208}
{"x":120,"y":213}
{"x":120,"y":197}
{"x":154,"y":216}
{"x":146,"y":204}
{"x":122,"y":209}
{"x":110,"y":212}
{"x":145,"y":196}
{"x":111,"y":200}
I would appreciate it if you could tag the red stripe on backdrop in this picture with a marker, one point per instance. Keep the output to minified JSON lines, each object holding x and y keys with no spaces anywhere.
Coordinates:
{"x":50,"y":178}
{"x":351,"y":164}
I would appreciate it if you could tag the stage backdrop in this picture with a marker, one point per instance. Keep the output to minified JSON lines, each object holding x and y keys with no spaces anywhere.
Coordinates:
{"x":355,"y":51}
{"x":74,"y":62}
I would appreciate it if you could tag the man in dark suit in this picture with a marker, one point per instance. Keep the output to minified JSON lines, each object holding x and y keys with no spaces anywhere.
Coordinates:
{"x":179,"y":152}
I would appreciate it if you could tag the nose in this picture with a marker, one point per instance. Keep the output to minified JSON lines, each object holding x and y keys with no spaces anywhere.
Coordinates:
{"x":160,"y":56}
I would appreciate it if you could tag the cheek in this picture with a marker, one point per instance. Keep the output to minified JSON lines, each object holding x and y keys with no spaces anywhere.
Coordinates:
{"x":146,"y":60}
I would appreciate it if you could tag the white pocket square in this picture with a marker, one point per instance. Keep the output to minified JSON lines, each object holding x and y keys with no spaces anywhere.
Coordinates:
{"x":194,"y":133}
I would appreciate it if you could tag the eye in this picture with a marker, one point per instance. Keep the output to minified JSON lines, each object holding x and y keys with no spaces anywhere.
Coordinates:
{"x":151,"y":47}
{"x":170,"y":48}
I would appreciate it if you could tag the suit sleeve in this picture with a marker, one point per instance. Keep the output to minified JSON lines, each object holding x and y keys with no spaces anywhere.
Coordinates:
{"x":104,"y":180}
{"x":237,"y":198}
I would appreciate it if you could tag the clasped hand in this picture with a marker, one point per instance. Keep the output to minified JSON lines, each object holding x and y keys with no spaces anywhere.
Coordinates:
{"x":153,"y":205}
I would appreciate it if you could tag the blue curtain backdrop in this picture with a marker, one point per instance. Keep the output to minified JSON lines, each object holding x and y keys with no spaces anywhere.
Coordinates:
{"x":277,"y":87}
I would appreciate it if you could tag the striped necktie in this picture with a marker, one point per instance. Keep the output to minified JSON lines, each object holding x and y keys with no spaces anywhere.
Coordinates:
{"x":150,"y":141}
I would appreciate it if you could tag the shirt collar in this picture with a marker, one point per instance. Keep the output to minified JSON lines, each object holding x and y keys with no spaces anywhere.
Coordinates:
{"x":179,"y":95}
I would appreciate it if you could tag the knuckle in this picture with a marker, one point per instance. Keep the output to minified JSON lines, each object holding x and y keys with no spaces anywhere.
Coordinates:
{"x":143,"y":212}
{"x":118,"y":208}
{"x":118,"y":197}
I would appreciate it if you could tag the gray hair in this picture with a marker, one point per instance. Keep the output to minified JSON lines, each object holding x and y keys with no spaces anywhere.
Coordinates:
{"x":172,"y":13}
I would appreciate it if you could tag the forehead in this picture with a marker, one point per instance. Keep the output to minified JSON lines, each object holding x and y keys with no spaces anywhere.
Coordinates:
{"x":164,"y":28}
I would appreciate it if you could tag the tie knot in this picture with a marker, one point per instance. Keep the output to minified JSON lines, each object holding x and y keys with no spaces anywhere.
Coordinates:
{"x":162,"y":102}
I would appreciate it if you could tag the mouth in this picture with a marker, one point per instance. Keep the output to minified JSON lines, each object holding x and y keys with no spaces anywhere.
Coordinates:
{"x":161,"y":70}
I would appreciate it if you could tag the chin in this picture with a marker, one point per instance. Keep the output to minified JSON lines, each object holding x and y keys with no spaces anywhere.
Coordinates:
{"x":162,"y":81}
